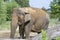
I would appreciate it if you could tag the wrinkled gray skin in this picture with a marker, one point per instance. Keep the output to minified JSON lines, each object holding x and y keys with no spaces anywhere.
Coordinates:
{"x":39,"y":20}
{"x":51,"y":33}
{"x":17,"y":20}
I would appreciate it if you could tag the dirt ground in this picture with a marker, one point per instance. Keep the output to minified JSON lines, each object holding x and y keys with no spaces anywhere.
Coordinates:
{"x":6,"y":35}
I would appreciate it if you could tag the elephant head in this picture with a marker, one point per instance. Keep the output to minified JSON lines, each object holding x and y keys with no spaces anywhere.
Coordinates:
{"x":18,"y":19}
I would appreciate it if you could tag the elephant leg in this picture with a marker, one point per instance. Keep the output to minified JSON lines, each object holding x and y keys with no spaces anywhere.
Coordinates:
{"x":21,"y":31}
{"x":13,"y":30}
{"x":14,"y":22}
{"x":27,"y":30}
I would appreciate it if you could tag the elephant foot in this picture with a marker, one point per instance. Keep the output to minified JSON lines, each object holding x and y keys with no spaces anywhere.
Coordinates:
{"x":12,"y":37}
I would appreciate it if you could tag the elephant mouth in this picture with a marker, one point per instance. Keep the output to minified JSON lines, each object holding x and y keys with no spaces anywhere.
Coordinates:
{"x":25,"y":23}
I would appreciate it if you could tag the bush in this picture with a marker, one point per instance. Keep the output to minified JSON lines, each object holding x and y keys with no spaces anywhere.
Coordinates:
{"x":44,"y":36}
{"x":3,"y":11}
{"x":57,"y":38}
{"x":10,"y":6}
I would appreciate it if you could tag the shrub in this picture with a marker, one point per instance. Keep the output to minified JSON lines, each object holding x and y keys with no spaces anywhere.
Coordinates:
{"x":44,"y":36}
{"x":10,"y":6}
{"x":3,"y":11}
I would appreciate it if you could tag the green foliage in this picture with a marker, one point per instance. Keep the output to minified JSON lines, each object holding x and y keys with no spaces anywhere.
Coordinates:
{"x":3,"y":11}
{"x":6,"y":10}
{"x":5,"y":25}
{"x":14,"y":4}
{"x":23,"y":3}
{"x":44,"y":36}
{"x":55,"y":9}
{"x":10,"y":6}
{"x":6,"y":7}
{"x":57,"y":38}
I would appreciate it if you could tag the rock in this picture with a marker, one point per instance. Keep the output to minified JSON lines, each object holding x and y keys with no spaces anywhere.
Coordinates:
{"x":51,"y":33}
{"x":37,"y":37}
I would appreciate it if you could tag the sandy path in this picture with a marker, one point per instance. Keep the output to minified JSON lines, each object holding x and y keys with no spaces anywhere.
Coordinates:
{"x":6,"y":35}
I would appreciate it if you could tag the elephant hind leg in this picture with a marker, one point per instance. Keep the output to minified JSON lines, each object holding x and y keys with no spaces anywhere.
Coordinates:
{"x":13,"y":30}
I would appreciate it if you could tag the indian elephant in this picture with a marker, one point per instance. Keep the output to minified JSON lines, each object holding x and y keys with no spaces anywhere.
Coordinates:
{"x":28,"y":19}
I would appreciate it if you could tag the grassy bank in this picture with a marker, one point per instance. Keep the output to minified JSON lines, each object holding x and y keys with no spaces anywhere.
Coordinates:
{"x":5,"y":26}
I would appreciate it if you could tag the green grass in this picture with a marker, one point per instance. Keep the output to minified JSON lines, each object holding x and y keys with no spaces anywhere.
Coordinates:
{"x":5,"y":26}
{"x":57,"y":38}
{"x":44,"y":36}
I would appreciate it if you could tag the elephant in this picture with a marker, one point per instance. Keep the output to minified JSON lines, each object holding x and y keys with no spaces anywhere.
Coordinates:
{"x":28,"y":19}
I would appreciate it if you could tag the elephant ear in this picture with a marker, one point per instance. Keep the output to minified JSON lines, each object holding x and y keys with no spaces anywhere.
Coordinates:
{"x":27,"y":17}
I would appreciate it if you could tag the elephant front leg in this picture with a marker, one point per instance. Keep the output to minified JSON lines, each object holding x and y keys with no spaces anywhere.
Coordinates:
{"x":13,"y":26}
{"x":21,"y":32}
{"x":13,"y":30}
{"x":14,"y":21}
{"x":27,"y":31}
